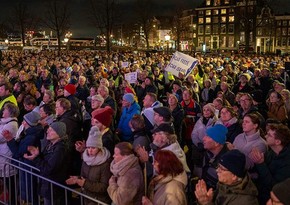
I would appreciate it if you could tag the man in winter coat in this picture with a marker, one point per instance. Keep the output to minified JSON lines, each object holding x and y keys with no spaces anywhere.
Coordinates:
{"x":274,"y":166}
{"x":234,"y":186}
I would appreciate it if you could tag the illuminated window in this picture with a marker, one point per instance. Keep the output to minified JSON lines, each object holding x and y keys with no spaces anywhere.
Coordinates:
{"x":231,"y":11}
{"x":223,"y":11}
{"x":207,"y":20}
{"x":200,"y":29}
{"x":207,"y":41}
{"x":284,"y":31}
{"x":208,"y":2}
{"x":208,"y":12}
{"x":231,"y":41}
{"x":217,"y":2}
{"x":200,"y":20}
{"x":224,"y":19}
{"x":207,"y":30}
{"x":223,"y":41}
{"x":223,"y":28}
{"x":231,"y":18}
{"x":227,"y":1}
{"x":215,"y":12}
{"x":200,"y":41}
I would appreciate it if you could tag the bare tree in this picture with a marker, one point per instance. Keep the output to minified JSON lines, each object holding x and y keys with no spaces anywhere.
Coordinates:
{"x":104,"y":14}
{"x":247,"y":14}
{"x":57,"y":18}
{"x":22,"y":19}
{"x":144,"y":15}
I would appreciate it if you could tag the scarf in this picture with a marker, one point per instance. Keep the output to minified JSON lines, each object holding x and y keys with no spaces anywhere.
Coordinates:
{"x":121,"y":167}
{"x":100,"y":158}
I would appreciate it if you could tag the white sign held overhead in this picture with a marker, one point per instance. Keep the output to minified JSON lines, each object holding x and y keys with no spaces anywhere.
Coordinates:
{"x":131,"y":77}
{"x":181,"y":63}
{"x":125,"y":64}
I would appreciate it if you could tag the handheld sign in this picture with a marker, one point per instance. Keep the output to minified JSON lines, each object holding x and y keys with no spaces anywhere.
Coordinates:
{"x":181,"y":63}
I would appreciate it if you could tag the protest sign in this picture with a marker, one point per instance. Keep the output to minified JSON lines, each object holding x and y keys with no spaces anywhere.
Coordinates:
{"x":131,"y":77}
{"x":181,"y":63}
{"x":125,"y":64}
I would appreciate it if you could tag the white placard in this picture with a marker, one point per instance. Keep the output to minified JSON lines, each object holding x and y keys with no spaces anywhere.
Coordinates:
{"x":131,"y":77}
{"x":181,"y":63}
{"x":125,"y":64}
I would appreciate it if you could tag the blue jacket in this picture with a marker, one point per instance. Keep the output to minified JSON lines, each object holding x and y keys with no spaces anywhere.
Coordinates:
{"x":127,"y":114}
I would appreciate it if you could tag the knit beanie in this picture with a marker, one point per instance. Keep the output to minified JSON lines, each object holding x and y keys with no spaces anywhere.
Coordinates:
{"x":129,"y":97}
{"x":281,"y":191}
{"x":70,"y":88}
{"x":95,"y":138}
{"x":59,"y":128}
{"x":235,"y":162}
{"x":104,"y":115}
{"x":218,"y":133}
{"x":32,"y":118}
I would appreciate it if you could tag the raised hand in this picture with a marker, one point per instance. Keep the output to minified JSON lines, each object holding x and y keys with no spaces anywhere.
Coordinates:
{"x":203,"y":195}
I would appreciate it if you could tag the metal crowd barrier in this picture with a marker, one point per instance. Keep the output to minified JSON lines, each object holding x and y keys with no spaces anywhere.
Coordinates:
{"x":11,"y":190}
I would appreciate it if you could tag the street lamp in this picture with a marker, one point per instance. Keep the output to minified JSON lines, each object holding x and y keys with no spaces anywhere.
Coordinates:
{"x":6,"y":41}
{"x":167,"y":39}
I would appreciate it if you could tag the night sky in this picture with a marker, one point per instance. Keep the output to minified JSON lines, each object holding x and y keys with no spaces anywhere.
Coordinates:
{"x":79,"y":22}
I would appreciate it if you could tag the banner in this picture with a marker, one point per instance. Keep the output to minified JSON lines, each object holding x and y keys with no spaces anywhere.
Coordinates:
{"x":181,"y":63}
{"x":131,"y":77}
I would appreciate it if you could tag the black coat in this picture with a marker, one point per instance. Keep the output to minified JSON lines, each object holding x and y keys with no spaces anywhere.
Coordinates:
{"x":51,"y":163}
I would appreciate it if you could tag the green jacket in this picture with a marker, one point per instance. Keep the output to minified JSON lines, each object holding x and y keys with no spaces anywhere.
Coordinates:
{"x":244,"y":192}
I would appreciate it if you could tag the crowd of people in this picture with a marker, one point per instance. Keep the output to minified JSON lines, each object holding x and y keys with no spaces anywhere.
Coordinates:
{"x":217,"y":136}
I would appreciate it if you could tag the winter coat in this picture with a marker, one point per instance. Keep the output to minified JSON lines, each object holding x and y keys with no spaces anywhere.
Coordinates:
{"x":73,"y":124}
{"x":245,"y":144}
{"x":244,"y":192}
{"x":127,"y":114}
{"x":141,"y":139}
{"x":168,"y":190}
{"x":29,"y":137}
{"x":11,"y":125}
{"x":274,"y":169}
{"x":97,"y":175}
{"x":51,"y":163}
{"x":109,"y":140}
{"x":128,"y":188}
{"x":178,"y":116}
{"x":277,"y":111}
